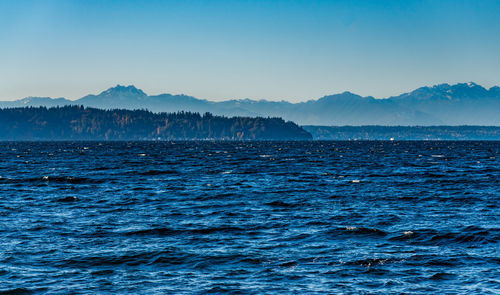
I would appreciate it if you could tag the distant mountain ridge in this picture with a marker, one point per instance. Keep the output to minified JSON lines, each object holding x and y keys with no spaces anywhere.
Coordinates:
{"x":443,"y":104}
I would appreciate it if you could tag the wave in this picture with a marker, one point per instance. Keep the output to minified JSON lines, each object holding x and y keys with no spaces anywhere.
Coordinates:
{"x":281,"y":204}
{"x":468,"y":235}
{"x":20,"y":291}
{"x":164,"y":231}
{"x":158,"y":172}
{"x":53,"y":179}
{"x":357,"y":231}
{"x":168,"y":256}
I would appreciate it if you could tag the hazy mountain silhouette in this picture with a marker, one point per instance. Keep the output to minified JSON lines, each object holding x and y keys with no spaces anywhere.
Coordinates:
{"x":444,"y":104}
{"x":460,"y":104}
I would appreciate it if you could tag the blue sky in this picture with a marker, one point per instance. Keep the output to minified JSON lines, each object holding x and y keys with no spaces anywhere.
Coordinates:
{"x":291,"y":50}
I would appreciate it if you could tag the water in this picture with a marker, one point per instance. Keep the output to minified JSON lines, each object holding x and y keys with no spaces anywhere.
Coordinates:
{"x":250,"y":217}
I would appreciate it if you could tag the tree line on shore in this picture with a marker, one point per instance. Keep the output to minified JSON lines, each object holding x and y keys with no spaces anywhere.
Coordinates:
{"x":83,"y":123}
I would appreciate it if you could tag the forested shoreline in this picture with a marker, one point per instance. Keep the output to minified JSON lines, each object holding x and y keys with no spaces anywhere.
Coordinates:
{"x":82,"y":123}
{"x":404,"y":132}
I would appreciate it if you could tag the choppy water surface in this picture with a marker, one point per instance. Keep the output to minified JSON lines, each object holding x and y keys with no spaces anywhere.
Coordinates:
{"x":250,"y":217}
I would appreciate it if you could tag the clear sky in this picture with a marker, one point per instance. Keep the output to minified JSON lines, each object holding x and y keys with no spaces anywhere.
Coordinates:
{"x":291,"y":50}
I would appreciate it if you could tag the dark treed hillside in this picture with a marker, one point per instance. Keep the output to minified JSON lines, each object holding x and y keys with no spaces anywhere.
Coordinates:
{"x":80,"y":123}
{"x":404,"y":132}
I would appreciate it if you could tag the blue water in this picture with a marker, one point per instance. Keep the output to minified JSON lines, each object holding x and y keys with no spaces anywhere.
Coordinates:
{"x":250,"y":218}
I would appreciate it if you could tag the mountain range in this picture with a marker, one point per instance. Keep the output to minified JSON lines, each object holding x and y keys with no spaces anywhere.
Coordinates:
{"x":444,"y":104}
